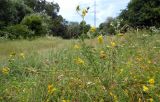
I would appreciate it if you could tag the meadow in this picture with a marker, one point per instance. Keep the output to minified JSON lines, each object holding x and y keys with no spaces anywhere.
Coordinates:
{"x":120,"y":68}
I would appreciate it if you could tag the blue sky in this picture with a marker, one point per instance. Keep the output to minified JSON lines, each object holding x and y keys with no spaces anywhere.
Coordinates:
{"x":105,"y":8}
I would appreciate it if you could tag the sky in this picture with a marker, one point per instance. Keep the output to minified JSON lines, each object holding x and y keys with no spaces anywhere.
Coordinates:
{"x":104,"y":9}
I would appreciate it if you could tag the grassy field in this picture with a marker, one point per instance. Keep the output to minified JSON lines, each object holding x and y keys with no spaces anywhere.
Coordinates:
{"x":108,"y":69}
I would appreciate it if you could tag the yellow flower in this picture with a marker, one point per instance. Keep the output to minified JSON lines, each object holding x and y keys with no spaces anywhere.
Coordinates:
{"x":12,"y":54}
{"x":113,"y":44}
{"x":65,"y":101}
{"x":84,"y":12}
{"x":139,"y":100}
{"x":108,"y":46}
{"x":51,"y":89}
{"x":151,"y":81}
{"x":76,"y":47}
{"x":145,"y":88}
{"x":102,"y":55}
{"x":100,"y":39}
{"x":151,"y":100}
{"x":93,"y":29}
{"x":114,"y":97}
{"x":149,"y":62}
{"x":121,"y":70}
{"x":126,"y":92}
{"x":47,"y":100}
{"x":79,"y":61}
{"x":22,"y":55}
{"x":5,"y":70}
{"x":139,"y":59}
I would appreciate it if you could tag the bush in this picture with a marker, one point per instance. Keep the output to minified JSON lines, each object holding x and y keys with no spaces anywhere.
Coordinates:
{"x":17,"y":31}
{"x":73,"y":30}
{"x":12,"y":12}
{"x":37,"y":23}
{"x":4,"y":34}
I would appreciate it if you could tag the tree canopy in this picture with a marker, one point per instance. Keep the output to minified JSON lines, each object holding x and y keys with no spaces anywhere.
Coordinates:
{"x":142,"y":13}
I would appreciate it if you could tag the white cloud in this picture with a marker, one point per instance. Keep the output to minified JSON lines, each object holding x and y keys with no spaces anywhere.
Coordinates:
{"x":105,"y":8}
{"x":109,"y":12}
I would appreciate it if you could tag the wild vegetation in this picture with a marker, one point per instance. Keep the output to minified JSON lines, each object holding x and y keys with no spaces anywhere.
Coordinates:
{"x":116,"y":62}
{"x":27,"y":19}
{"x":121,"y":68}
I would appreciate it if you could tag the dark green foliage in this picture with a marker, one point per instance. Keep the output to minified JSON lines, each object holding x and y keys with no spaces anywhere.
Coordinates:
{"x":50,"y":8}
{"x":85,"y":27}
{"x":59,"y":27}
{"x":142,"y":13}
{"x":73,"y":30}
{"x":4,"y":34}
{"x":12,"y":12}
{"x":37,"y":23}
{"x":18,"y":31}
{"x":107,"y":27}
{"x":138,"y":14}
{"x":40,"y":17}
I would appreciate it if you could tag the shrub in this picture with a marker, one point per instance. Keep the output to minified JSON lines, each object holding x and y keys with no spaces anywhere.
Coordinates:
{"x":37,"y":23}
{"x":18,"y":31}
{"x":4,"y":34}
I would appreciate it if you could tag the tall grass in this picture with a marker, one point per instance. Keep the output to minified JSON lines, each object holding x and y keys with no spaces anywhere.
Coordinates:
{"x":121,"y":69}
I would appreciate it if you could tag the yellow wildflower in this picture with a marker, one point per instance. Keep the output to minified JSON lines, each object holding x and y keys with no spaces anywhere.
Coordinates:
{"x":114,"y":97}
{"x":145,"y":88}
{"x":151,"y":81}
{"x":151,"y":100}
{"x":93,"y":29}
{"x":139,"y":59}
{"x":100,"y":39}
{"x":121,"y":70}
{"x":76,"y":47}
{"x":12,"y":54}
{"x":5,"y":70}
{"x":108,"y":46}
{"x":84,"y":12}
{"x":139,"y":100}
{"x":65,"y":101}
{"x":102,"y":55}
{"x":22,"y":55}
{"x":149,"y":62}
{"x":51,"y":89}
{"x":47,"y":100}
{"x":126,"y":92}
{"x":113,"y":44}
{"x":79,"y":61}
{"x":111,"y":93}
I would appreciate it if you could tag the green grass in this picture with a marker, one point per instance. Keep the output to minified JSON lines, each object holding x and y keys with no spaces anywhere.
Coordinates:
{"x":26,"y":46}
{"x":53,"y":71}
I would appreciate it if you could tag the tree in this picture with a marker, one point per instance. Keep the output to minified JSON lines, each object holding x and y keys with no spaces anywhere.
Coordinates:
{"x":12,"y":11}
{"x":59,"y":27}
{"x":50,"y":8}
{"x":84,"y":28}
{"x":39,"y":23}
{"x":142,"y":13}
{"x":73,"y":30}
{"x":107,"y":27}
